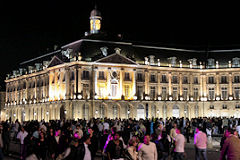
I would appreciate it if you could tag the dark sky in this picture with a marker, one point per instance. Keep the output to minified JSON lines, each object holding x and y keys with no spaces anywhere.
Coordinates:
{"x":30,"y":29}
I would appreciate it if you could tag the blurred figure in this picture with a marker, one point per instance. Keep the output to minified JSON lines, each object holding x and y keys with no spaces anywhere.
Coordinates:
{"x":132,"y":148}
{"x":231,"y":146}
{"x":115,"y":148}
{"x":147,"y":150}
{"x":200,"y":142}
{"x":21,"y":136}
{"x":179,"y":146}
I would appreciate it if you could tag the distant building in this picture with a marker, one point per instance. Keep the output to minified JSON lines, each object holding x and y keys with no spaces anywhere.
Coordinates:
{"x":2,"y":105}
{"x":100,"y":77}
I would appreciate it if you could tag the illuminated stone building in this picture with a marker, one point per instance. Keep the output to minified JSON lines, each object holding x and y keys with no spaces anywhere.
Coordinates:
{"x":99,"y":77}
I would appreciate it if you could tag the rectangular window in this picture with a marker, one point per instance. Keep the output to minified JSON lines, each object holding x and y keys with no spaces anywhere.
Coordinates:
{"x":164,"y":93}
{"x":152,"y":78}
{"x":101,"y":75}
{"x":152,"y":93}
{"x":211,"y":80}
{"x":195,"y":93}
{"x":195,"y":80}
{"x":85,"y":91}
{"x":174,"y":79}
{"x":85,"y":75}
{"x":211,"y":94}
{"x":224,"y":79}
{"x":211,"y":106}
{"x":185,"y":93}
{"x":237,"y":92}
{"x":140,"y":92}
{"x":126,"y":91}
{"x":237,"y":106}
{"x":224,"y":106}
{"x":164,"y":79}
{"x":114,"y":90}
{"x":224,"y":93}
{"x":236,"y":79}
{"x":175,"y":93}
{"x":140,"y":77}
{"x":127,"y":76}
{"x":185,"y":80}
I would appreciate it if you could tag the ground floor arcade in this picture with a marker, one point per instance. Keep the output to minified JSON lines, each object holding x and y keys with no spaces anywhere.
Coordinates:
{"x":119,"y":109}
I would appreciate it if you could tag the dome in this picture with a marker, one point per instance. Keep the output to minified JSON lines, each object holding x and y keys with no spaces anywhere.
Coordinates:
{"x":95,"y":12}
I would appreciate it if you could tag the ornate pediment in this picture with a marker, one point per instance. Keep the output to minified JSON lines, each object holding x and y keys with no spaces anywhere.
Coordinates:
{"x":116,"y":58}
{"x":55,"y":61}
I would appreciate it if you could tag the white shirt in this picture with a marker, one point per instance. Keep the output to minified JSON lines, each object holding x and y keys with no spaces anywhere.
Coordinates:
{"x":180,"y":140}
{"x":100,"y":127}
{"x":22,"y":135}
{"x":147,"y":152}
{"x":106,"y":125}
{"x":87,"y":155}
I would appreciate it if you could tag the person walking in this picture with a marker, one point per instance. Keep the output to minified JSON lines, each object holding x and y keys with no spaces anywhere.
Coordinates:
{"x":231,"y":146}
{"x":115,"y":148}
{"x":179,"y":146}
{"x":200,"y":142}
{"x":147,"y":150}
{"x":132,"y":148}
{"x":21,"y":136}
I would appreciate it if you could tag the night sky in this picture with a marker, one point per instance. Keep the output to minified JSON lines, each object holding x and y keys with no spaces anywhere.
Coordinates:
{"x":30,"y":29}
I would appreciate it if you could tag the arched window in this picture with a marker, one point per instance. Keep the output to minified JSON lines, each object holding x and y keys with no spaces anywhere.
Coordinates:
{"x":196,"y":111}
{"x":115,"y":111}
{"x":85,"y":111}
{"x":101,"y":111}
{"x":153,"y":111}
{"x":140,"y":112}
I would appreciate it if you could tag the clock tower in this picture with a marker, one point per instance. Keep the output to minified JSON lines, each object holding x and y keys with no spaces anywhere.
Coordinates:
{"x":95,"y":21}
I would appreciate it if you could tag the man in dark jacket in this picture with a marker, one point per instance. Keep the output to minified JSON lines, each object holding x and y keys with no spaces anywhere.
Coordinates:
{"x":85,"y":150}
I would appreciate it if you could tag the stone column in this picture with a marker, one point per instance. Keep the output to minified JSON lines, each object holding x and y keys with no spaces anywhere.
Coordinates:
{"x":169,"y":84}
{"x":78,"y":81}
{"x":67,"y":81}
{"x":35,"y":88}
{"x":95,"y":81}
{"x":180,"y":85}
{"x":191,"y":85}
{"x":133,"y":83}
{"x":146,"y":82}
{"x":217,"y":85}
{"x":159,"y":81}
{"x":230,"y":85}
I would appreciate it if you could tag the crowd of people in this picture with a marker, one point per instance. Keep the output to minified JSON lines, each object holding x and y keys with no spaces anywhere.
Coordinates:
{"x":116,"y":139}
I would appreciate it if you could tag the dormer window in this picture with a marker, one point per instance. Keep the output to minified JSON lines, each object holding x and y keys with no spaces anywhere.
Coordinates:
{"x":235,"y":62}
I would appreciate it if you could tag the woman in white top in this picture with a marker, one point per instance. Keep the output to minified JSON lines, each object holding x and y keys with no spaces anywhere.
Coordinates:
{"x":132,"y":148}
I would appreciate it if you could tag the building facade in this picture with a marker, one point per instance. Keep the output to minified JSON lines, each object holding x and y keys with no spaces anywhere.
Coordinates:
{"x":100,"y":78}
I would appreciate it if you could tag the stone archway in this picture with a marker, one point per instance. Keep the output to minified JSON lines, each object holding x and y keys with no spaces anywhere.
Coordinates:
{"x":153,"y":111}
{"x":62,"y":113}
{"x":140,"y":111}
{"x":85,"y":111}
{"x":175,"y":111}
{"x":116,"y":110}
